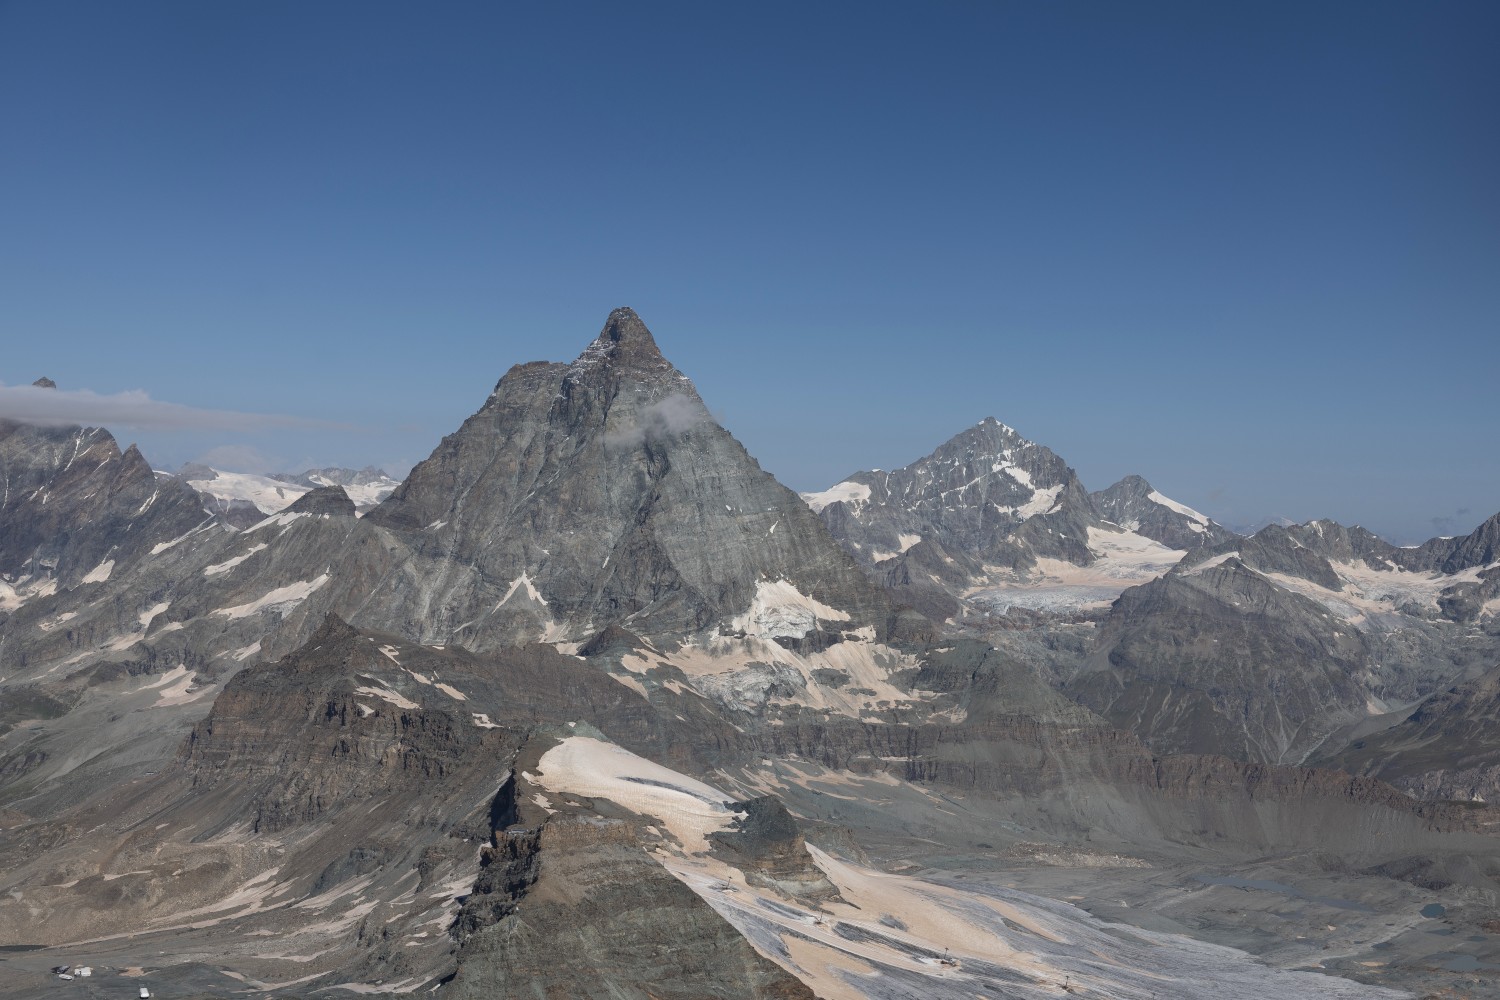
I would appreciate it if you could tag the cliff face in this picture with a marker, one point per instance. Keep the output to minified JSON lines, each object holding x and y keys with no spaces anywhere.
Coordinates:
{"x":73,"y":507}
{"x":575,"y":907}
{"x":603,"y":492}
{"x":1222,"y":661}
{"x":1448,"y":748}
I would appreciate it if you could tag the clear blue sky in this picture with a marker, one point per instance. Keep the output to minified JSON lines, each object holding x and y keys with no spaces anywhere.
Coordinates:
{"x":1250,"y":251}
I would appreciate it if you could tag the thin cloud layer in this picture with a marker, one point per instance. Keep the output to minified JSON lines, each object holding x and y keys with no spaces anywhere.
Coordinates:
{"x":663,"y":419}
{"x":134,"y":409}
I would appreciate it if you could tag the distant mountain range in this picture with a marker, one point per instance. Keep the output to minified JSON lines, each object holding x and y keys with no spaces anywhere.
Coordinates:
{"x":242,"y":499}
{"x":590,"y":705}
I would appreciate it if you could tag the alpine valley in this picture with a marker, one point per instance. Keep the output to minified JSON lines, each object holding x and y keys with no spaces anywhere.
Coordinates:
{"x":589,"y":705}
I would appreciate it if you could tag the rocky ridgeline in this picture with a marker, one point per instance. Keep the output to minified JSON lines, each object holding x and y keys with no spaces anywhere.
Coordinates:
{"x":77,"y":510}
{"x":988,"y":503}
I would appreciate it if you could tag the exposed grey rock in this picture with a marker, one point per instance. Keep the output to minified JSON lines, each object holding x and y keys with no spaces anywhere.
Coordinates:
{"x":73,"y":506}
{"x":987,"y":494}
{"x":1448,"y":748}
{"x":325,"y":501}
{"x":1133,"y":504}
{"x":45,"y":383}
{"x":1223,"y":661}
{"x":987,"y":500}
{"x":603,"y":491}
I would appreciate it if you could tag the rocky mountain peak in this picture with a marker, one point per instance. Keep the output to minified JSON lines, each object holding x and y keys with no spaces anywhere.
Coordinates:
{"x":45,"y":383}
{"x":1136,"y":505}
{"x":989,"y":437}
{"x":1133,"y":485}
{"x":330,"y":501}
{"x":604,"y":492}
{"x":624,"y":344}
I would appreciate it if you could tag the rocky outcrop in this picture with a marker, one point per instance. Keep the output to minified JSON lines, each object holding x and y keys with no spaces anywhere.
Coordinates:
{"x":574,"y":907}
{"x":569,"y":902}
{"x":768,"y":846}
{"x":325,"y":501}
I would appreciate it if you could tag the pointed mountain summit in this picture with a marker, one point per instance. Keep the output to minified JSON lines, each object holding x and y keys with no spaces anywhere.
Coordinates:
{"x":986,"y":502}
{"x":601,"y":492}
{"x":625,"y":343}
{"x":986,"y":493}
{"x":994,"y":518}
{"x":1135,"y":505}
{"x":76,"y":508}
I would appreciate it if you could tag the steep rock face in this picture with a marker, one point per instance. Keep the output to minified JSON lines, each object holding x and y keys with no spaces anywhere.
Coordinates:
{"x":1219,"y":660}
{"x":1133,"y":504}
{"x":336,"y":798}
{"x":990,"y":522}
{"x":74,"y":508}
{"x":769,"y":847}
{"x":987,"y":493}
{"x":1064,"y":767}
{"x":1444,"y":577}
{"x":1282,"y":644}
{"x":602,"y":491}
{"x":1448,"y":748}
{"x":574,"y":907}
{"x":329,"y":501}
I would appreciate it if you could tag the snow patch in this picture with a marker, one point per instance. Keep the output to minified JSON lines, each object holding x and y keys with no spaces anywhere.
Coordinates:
{"x":100,"y":573}
{"x":175,"y":684}
{"x":1182,"y":509}
{"x":229,"y":564}
{"x":1122,"y":559}
{"x":385,"y":694}
{"x":282,"y":520}
{"x":145,"y":617}
{"x":1042,"y":501}
{"x":270,"y":496}
{"x":845,"y":492}
{"x":524,"y":580}
{"x":281,"y":599}
{"x":780,"y":609}
{"x":61,"y":619}
{"x":1208,"y":564}
{"x":590,"y":768}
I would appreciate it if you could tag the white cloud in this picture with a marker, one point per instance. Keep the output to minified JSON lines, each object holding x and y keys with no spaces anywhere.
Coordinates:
{"x":663,"y":419}
{"x":134,"y":409}
{"x":238,"y":458}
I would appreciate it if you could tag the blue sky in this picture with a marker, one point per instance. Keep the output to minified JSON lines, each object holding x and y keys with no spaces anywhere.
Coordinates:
{"x":1249,"y":251}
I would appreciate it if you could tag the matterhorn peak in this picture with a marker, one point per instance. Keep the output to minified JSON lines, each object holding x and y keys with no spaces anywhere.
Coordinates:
{"x":625,"y":342}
